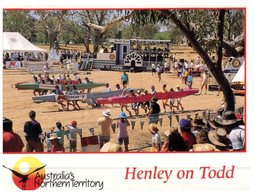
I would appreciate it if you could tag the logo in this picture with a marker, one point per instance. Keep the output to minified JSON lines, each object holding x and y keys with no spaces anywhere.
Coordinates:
{"x":28,"y":173}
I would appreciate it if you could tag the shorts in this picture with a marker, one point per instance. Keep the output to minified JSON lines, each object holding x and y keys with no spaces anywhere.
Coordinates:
{"x":124,"y":82}
{"x":123,"y":139}
{"x":72,"y":146}
{"x":104,"y":139}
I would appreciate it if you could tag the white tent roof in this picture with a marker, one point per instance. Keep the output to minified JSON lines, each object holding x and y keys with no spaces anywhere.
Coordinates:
{"x":14,"y":41}
{"x":239,"y":77}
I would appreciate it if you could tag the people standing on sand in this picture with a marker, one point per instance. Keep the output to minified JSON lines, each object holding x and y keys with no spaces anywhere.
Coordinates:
{"x":71,"y":132}
{"x":156,"y":141}
{"x":154,"y":111}
{"x":159,"y":71}
{"x":153,"y":69}
{"x":88,"y":81}
{"x":122,"y":125}
{"x":75,"y":102}
{"x":46,"y":69}
{"x":205,"y":80}
{"x":60,"y":132}
{"x":124,"y":79}
{"x":60,"y":97}
{"x":108,"y":89}
{"x":190,"y":80}
{"x":179,"y":104}
{"x":12,"y":142}
{"x":171,"y":102}
{"x":153,"y":90}
{"x":55,"y":145}
{"x":104,"y":124}
{"x":164,"y":102}
{"x":122,"y":106}
{"x":33,"y":134}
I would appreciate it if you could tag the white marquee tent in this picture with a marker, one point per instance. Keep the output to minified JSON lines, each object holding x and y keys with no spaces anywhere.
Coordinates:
{"x":239,"y":77}
{"x":14,"y":41}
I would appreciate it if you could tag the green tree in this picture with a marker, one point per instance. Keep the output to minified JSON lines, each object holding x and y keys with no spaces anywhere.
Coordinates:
{"x":198,"y":26}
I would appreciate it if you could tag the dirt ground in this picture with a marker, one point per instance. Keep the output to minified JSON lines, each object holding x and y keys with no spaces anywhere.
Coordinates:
{"x":17,"y":104}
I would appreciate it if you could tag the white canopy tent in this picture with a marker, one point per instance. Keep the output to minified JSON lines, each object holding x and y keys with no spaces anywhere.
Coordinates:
{"x":239,"y":77}
{"x":14,"y":41}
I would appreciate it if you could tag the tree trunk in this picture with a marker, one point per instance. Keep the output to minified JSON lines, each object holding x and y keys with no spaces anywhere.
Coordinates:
{"x":215,"y":70}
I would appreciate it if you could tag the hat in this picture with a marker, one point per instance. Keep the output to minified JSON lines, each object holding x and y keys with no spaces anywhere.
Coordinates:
{"x":153,"y":128}
{"x":54,"y":136}
{"x":74,"y":123}
{"x":154,"y":99}
{"x":171,"y":130}
{"x":122,"y":115}
{"x":111,"y":147}
{"x":218,"y":137}
{"x":177,"y":86}
{"x":199,"y":122}
{"x":228,"y":118}
{"x":107,"y":113}
{"x":185,"y":124}
{"x":204,"y":147}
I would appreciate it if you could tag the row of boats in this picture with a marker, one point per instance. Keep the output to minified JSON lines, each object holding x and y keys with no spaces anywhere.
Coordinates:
{"x":112,"y":97}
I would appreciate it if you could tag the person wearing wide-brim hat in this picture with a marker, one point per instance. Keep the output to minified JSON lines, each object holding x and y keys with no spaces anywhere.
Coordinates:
{"x":55,"y":145}
{"x":104,"y":124}
{"x":234,"y":128}
{"x":219,"y":138}
{"x":122,"y":125}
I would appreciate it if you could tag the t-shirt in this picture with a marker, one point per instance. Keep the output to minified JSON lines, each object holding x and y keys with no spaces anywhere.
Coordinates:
{"x":72,"y":132}
{"x":156,"y":139}
{"x":122,"y":128}
{"x":236,"y":137}
{"x":189,"y":139}
{"x":33,"y":129}
{"x":124,"y":77}
{"x":104,"y":126}
{"x":61,"y":133}
{"x":12,"y":142}
{"x":155,"y":108}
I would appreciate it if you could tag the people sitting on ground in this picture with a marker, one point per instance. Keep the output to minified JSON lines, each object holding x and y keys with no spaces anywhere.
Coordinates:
{"x":104,"y":131}
{"x":12,"y":142}
{"x":71,"y":132}
{"x":55,"y":145}
{"x":174,"y":141}
{"x":122,"y":125}
{"x":156,"y":141}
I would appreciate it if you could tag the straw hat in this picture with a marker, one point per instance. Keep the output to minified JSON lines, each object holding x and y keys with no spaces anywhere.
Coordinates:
{"x":111,"y":147}
{"x":204,"y":147}
{"x":107,"y":113}
{"x":218,"y":137}
{"x":54,"y":136}
{"x":228,"y":118}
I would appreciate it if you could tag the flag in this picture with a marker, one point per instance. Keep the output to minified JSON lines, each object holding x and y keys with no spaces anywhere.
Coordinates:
{"x":133,"y":125}
{"x":113,"y":127}
{"x":170,"y":119}
{"x":161,"y":121}
{"x":177,"y":118}
{"x":142,"y":123}
{"x":92,"y":131}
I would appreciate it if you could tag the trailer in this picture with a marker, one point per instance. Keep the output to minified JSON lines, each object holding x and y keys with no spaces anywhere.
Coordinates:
{"x":130,"y":55}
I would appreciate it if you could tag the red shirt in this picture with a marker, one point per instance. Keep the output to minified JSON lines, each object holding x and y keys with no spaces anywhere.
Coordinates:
{"x":189,"y":138}
{"x":12,"y":142}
